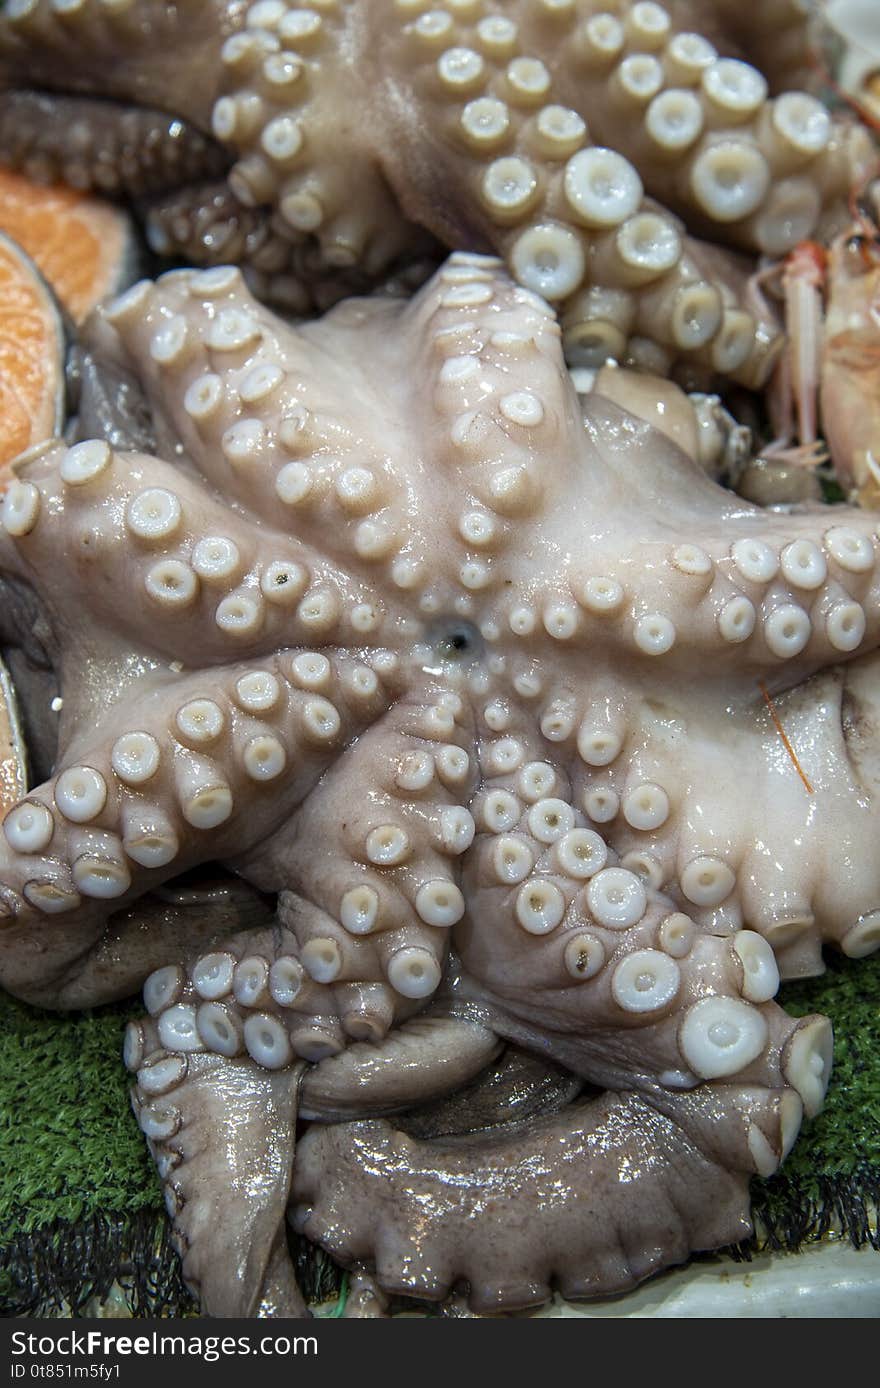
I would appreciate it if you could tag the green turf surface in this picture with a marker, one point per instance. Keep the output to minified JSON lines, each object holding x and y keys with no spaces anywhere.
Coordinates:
{"x":80,"y":1201}
{"x":69,"y":1144}
{"x":834,"y":1169}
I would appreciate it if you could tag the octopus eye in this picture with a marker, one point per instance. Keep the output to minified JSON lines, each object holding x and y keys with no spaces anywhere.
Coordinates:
{"x":456,"y":643}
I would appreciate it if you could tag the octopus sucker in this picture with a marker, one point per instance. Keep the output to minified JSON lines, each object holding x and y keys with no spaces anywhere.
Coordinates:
{"x":378,"y":617}
{"x":589,"y":147}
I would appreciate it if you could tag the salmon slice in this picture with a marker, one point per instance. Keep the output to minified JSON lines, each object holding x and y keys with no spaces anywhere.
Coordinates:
{"x":31,"y":357}
{"x":84,"y":247}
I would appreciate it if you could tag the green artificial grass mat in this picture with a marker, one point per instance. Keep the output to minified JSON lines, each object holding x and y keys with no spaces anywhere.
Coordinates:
{"x":81,"y":1205}
{"x":832,"y":1177}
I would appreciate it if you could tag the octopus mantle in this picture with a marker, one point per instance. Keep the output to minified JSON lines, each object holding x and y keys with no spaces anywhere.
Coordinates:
{"x":471,"y":676}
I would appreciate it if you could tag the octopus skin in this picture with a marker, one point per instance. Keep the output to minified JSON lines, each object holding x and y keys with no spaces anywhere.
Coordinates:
{"x":555,"y":132}
{"x":388,"y":625}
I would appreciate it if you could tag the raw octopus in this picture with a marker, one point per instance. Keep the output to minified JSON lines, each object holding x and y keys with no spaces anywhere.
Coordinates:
{"x":519,"y":730}
{"x":330,"y":146}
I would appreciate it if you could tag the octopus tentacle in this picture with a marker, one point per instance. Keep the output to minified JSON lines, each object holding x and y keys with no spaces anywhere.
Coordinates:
{"x":140,"y":53}
{"x":196,"y":1091}
{"x":208,"y":225}
{"x":777,"y":37}
{"x":475,"y":127}
{"x":231,"y":385}
{"x":205,"y":224}
{"x":429,"y":1056}
{"x":94,"y":962}
{"x":190,"y":772}
{"x":194,"y":1110}
{"x":724,"y":1079}
{"x":362,"y":941}
{"x":199,"y":589}
{"x":119,"y":151}
{"x":502,"y":100}
{"x":635,"y":800}
{"x":602,"y":951}
{"x":251,"y":997}
{"x":265,"y":994}
{"x":377,"y":878}
{"x":515,"y":1088}
{"x":591,"y":1200}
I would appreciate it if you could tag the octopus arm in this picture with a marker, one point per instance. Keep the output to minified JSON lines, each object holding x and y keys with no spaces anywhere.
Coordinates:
{"x":777,"y":36}
{"x":589,"y":1201}
{"x":201,"y":1114}
{"x":543,"y":132}
{"x":424,"y":1059}
{"x":134,"y":809}
{"x":115,"y":150}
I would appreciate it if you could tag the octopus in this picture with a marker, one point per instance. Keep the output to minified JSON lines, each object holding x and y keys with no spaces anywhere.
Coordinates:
{"x":400,"y":639}
{"x":628,"y":168}
{"x":531,"y":757}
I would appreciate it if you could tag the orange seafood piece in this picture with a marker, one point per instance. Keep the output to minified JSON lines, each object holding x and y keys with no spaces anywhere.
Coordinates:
{"x":31,"y":357}
{"x":84,"y":247}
